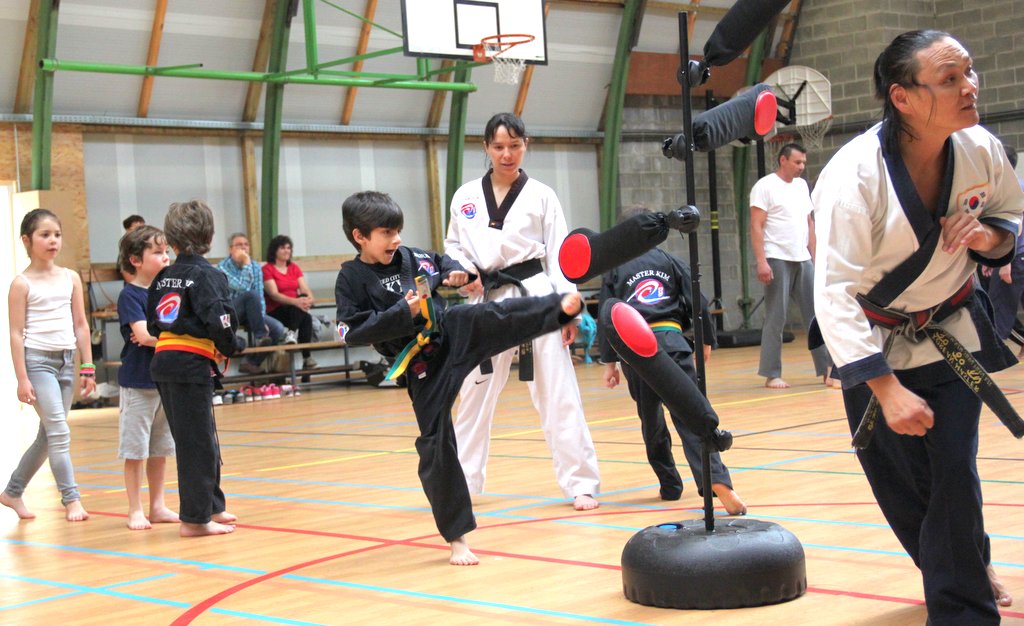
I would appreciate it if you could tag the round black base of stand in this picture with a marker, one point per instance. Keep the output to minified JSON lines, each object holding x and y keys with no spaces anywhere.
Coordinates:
{"x":742,"y":563}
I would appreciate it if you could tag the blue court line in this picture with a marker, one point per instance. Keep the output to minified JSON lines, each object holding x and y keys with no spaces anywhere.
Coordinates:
{"x":134,"y":555}
{"x":76,"y":593}
{"x":467,"y":601}
{"x":105,"y":591}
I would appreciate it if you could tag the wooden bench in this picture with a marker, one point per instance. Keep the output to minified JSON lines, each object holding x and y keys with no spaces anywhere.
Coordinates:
{"x":295,"y":373}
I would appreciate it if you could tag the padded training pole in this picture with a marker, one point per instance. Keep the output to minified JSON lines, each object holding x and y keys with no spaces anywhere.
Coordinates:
{"x":689,"y":564}
{"x":635,"y":343}
{"x":585,"y":254}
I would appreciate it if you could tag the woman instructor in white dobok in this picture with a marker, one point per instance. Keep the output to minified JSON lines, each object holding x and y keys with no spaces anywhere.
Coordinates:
{"x":507,"y":222}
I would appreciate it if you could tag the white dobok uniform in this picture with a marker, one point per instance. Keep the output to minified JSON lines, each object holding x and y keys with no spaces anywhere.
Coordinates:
{"x":533,"y":229}
{"x":863,"y":235}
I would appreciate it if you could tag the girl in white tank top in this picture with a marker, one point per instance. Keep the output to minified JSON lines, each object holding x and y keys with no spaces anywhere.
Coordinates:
{"x":48,"y":324}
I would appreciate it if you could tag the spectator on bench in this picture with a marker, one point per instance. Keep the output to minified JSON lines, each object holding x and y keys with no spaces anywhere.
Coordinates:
{"x":289,"y":297}
{"x":245,"y":281}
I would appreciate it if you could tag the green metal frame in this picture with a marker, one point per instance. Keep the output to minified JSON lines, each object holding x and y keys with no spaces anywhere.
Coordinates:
{"x":276,"y":77}
{"x":608,"y":197}
{"x":740,"y":162}
{"x":456,"y":138}
{"x":42,"y":99}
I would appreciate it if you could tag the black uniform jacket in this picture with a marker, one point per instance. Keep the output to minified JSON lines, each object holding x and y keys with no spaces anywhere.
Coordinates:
{"x":379,"y":316}
{"x":191,"y":297}
{"x":657,"y":285}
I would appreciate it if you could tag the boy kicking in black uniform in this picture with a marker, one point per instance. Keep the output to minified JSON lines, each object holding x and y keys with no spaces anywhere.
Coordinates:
{"x":435,"y":346}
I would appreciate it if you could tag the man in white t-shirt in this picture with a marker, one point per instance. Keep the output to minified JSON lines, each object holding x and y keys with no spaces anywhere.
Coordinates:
{"x":782,"y":235}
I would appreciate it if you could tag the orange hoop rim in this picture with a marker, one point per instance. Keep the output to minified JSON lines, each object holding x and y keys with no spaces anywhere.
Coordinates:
{"x":506,"y":42}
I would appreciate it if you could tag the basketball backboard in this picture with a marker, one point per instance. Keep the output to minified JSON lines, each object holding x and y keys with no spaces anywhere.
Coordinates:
{"x":450,"y":28}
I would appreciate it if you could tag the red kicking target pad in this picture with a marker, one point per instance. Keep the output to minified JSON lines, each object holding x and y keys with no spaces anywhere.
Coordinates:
{"x":765,"y":109}
{"x":574,"y":256}
{"x":633,"y":330}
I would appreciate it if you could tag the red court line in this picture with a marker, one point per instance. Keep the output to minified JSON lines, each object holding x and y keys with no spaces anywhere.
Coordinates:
{"x":201,"y":608}
{"x":417,"y":542}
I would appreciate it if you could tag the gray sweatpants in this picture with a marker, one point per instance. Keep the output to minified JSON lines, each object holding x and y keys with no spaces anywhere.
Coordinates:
{"x":794,"y":278}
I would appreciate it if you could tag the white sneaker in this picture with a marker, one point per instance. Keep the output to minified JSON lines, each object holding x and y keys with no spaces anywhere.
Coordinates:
{"x":309,"y":363}
{"x":290,"y":337}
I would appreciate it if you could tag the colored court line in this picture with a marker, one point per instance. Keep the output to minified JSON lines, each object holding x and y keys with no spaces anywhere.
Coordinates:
{"x":418,"y":542}
{"x":106,"y":591}
{"x":198,"y":609}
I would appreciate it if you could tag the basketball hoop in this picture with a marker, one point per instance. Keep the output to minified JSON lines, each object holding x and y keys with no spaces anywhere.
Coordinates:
{"x":814,"y":133}
{"x":507,"y":70}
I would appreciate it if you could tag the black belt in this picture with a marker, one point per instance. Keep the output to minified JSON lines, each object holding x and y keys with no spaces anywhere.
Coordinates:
{"x":513,"y":275}
{"x":959,"y":359}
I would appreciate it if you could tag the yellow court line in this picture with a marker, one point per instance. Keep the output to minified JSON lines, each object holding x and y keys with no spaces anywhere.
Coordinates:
{"x":337,"y":460}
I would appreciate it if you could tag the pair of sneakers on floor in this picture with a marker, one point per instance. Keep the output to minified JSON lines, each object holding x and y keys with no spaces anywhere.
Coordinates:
{"x":291,"y":337}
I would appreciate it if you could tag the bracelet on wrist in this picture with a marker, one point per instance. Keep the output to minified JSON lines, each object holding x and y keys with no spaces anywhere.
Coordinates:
{"x":87,"y":366}
{"x":87,"y":374}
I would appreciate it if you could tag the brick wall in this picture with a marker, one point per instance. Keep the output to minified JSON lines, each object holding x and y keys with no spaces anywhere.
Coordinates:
{"x":841,"y":39}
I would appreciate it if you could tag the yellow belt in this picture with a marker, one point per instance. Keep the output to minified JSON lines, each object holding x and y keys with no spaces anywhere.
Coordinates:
{"x":186,"y":343}
{"x":667,"y":325}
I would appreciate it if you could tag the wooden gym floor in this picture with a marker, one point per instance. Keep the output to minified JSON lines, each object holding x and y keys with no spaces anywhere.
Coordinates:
{"x":334,"y":529}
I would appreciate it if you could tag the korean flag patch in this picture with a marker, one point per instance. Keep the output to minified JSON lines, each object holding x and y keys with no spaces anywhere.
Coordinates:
{"x":225,"y":320}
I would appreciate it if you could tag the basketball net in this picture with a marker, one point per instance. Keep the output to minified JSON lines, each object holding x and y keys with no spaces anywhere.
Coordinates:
{"x":814,"y":133}
{"x":507,"y":70}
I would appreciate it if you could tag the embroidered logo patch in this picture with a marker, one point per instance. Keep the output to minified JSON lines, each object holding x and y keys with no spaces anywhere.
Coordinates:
{"x":973,"y":198}
{"x":168,"y":308}
{"x":648,"y":292}
{"x":469,"y":210}
{"x":426,"y":267}
{"x":225,"y":320}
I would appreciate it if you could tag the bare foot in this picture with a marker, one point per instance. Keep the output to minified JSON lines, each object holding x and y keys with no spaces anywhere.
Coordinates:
{"x":572,"y":303}
{"x":834,"y":383}
{"x":999,"y":590}
{"x":776,"y":383}
{"x":17,"y":504}
{"x":162,"y":515}
{"x":732,"y":502}
{"x":137,"y":521}
{"x":461,"y":554}
{"x":224,"y":518}
{"x":585,"y":502}
{"x":202,"y":530}
{"x":75,"y":512}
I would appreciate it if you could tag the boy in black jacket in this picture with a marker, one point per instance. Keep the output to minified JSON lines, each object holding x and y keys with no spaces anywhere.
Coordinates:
{"x":657,"y":285}
{"x":189,"y":312}
{"x":377,"y":298}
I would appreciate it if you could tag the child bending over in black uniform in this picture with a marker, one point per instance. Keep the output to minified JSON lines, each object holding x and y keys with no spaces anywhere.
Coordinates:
{"x":189,"y":312}
{"x":377,"y":298}
{"x":657,"y":285}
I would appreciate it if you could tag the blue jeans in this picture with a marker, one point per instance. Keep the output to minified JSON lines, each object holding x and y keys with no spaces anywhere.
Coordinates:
{"x":250,"y":314}
{"x":52,"y":374}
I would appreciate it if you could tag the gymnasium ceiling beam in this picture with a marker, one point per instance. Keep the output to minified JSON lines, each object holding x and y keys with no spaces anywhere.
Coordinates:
{"x":152,"y":56}
{"x":259,"y":63}
{"x":27,"y":73}
{"x":524,"y":81}
{"x":357,"y":66}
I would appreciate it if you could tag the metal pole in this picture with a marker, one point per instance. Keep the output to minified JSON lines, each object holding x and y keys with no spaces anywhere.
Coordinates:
{"x":456,"y":138}
{"x":740,"y":159}
{"x":42,"y":98}
{"x":396,"y":81}
{"x":309,"y":24}
{"x":284,"y":11}
{"x":716,"y":254}
{"x":609,"y":186}
{"x":698,"y":315}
